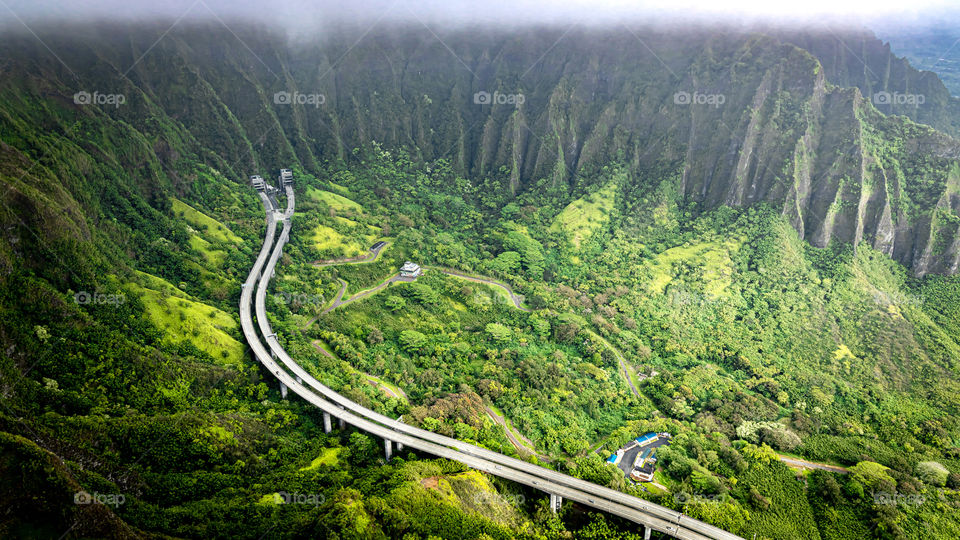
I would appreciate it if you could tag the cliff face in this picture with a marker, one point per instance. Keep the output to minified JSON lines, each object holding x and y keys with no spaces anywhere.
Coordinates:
{"x":746,"y":117}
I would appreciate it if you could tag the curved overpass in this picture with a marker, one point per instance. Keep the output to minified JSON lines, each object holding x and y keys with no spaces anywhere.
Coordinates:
{"x":331,"y":403}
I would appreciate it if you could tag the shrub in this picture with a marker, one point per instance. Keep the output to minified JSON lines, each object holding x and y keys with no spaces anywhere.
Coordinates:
{"x":932,"y":473}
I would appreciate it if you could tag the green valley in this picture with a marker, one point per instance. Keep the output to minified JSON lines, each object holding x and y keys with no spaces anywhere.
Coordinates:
{"x":713,"y":236}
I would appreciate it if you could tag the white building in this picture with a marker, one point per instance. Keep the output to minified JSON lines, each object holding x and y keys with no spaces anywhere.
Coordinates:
{"x":410,"y":270}
{"x":257,"y":182}
{"x":286,"y":177}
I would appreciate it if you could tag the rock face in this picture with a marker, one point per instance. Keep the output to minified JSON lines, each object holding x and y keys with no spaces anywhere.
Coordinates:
{"x":740,"y":117}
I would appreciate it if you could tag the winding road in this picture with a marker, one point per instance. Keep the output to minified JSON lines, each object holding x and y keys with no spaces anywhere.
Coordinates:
{"x":621,"y":361}
{"x":804,"y":464}
{"x":523,"y":445}
{"x":397,"y":393}
{"x":366,"y":292}
{"x":293,"y":377}
{"x":515,"y":298}
{"x":339,"y":301}
{"x":371,"y":257}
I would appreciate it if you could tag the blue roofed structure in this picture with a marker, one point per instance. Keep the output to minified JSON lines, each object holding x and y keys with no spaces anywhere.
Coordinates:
{"x":612,"y":458}
{"x":643,"y":457}
{"x":647,"y":439}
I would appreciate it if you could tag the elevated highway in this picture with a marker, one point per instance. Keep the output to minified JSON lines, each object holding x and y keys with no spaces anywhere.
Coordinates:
{"x":294,"y":378}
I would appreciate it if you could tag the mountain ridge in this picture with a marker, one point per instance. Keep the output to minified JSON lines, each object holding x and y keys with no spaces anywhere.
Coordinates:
{"x":784,"y":133}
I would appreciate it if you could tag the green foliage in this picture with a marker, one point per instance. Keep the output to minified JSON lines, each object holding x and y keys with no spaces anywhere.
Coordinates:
{"x":932,"y":473}
{"x":872,"y":476}
{"x":395,"y":303}
{"x":412,"y":341}
{"x":736,"y":326}
{"x":499,"y":332}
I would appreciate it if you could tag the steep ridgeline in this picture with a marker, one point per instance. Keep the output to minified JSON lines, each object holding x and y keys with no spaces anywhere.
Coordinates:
{"x":739,"y":117}
{"x":858,"y":58}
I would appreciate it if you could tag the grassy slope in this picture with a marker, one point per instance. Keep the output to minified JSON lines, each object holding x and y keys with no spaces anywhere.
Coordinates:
{"x":333,"y":200}
{"x":327,"y":240}
{"x":184,"y":319}
{"x":586,"y":215}
{"x":205,"y":224}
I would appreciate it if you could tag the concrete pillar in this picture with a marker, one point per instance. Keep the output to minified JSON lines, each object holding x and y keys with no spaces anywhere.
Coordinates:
{"x":387,"y":449}
{"x":646,"y":533}
{"x":327,"y":427}
{"x":283,"y":391}
{"x":273,"y":354}
{"x":343,"y":424}
{"x":299,"y":380}
{"x":399,"y":447}
{"x":555,"y":502}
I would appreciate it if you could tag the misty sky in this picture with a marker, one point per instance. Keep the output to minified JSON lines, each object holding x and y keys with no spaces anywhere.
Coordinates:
{"x":302,"y":15}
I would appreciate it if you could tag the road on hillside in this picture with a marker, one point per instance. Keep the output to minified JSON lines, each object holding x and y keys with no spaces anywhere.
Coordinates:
{"x":640,"y":511}
{"x":524,"y":446}
{"x":338,"y":299}
{"x":626,"y":374}
{"x":362,"y":294}
{"x":622,"y":363}
{"x":804,"y":464}
{"x":516,"y":299}
{"x":372,"y":256}
{"x":399,"y":393}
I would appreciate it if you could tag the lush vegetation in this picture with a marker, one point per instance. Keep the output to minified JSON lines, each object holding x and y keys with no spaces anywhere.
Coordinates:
{"x":760,"y":344}
{"x":127,"y":233}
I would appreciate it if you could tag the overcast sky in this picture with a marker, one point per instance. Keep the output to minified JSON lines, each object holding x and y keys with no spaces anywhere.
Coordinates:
{"x":299,"y":15}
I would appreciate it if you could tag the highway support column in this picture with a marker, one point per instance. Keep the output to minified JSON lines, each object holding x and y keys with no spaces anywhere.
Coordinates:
{"x":327,"y":427}
{"x":387,"y":449}
{"x":555,"y":502}
{"x":646,"y":533}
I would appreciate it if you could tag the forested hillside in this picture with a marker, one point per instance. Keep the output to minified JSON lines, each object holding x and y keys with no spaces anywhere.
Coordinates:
{"x":797,"y":127}
{"x":773,"y":273}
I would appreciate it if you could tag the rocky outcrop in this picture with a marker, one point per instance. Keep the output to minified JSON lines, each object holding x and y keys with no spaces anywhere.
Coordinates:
{"x":746,"y":116}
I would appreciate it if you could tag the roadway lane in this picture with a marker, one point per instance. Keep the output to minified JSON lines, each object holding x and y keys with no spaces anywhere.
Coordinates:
{"x":635,"y":509}
{"x":371,"y":257}
{"x":517,"y":302}
{"x":804,"y":464}
{"x":367,"y":292}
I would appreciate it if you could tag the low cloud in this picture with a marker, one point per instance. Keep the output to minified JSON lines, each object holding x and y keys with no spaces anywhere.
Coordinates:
{"x":303,"y":17}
